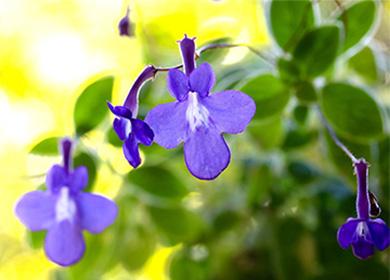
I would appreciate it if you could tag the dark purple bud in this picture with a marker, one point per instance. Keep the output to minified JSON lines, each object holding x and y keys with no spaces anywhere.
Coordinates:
{"x":66,"y":149}
{"x":375,"y":209}
{"x":362,"y":199}
{"x":187,"y":49}
{"x":131,"y":101}
{"x":125,"y":27}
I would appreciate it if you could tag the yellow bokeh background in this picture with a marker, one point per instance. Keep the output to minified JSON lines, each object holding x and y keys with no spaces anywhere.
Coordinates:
{"x":50,"y":49}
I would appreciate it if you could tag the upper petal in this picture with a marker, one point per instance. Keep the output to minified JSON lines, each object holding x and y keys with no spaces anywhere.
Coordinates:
{"x":231,"y":111}
{"x":78,"y":179}
{"x":131,"y":152}
{"x":206,"y":153}
{"x":202,"y":79}
{"x":96,"y":212}
{"x":380,"y":233}
{"x":346,"y":233}
{"x":120,"y":111}
{"x":142,"y":132}
{"x":64,"y":243}
{"x":178,"y":84}
{"x":36,"y":210}
{"x":169,"y":124}
{"x":122,"y":127}
{"x":56,"y":178}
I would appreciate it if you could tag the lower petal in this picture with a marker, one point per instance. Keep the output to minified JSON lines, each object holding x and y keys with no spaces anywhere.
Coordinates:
{"x":96,"y":212}
{"x":206,"y":153}
{"x":169,"y":124}
{"x":362,"y":249}
{"x":380,"y":233}
{"x":36,"y":210}
{"x":231,"y":111}
{"x":130,"y":149}
{"x":64,"y":243}
{"x":346,"y":233}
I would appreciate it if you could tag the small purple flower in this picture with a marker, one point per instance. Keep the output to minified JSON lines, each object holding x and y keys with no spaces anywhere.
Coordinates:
{"x":131,"y":131}
{"x":65,"y":211}
{"x":199,"y":118}
{"x":363,"y":233}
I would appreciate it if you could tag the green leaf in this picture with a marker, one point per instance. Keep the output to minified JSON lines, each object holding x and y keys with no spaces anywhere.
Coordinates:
{"x":184,"y":265}
{"x":36,"y":238}
{"x":214,"y":54}
{"x":297,"y":138}
{"x":137,"y":246}
{"x":301,"y":113}
{"x":358,"y":19}
{"x":352,"y":112}
{"x":288,"y":70}
{"x":88,"y":161}
{"x":364,"y":64}
{"x":317,"y":50}
{"x":305,"y":92}
{"x":270,"y":94}
{"x":289,"y":20}
{"x":268,"y":133}
{"x":302,"y":171}
{"x":158,"y":182}
{"x":47,"y":147}
{"x":91,"y":108}
{"x":177,"y":224}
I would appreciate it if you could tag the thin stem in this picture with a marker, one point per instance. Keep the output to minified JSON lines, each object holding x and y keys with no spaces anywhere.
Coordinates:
{"x":336,"y":140}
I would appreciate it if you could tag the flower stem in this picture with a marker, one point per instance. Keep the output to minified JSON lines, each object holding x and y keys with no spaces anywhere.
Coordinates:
{"x":335,"y":139}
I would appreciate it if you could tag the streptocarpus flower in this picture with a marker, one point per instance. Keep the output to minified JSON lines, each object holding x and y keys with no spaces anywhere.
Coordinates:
{"x":131,"y":131}
{"x":199,"y":118}
{"x":363,"y":233}
{"x":65,"y":211}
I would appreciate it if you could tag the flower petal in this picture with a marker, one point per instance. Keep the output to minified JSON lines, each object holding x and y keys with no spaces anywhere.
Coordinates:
{"x":231,"y":111}
{"x":178,"y":84}
{"x":362,"y":249}
{"x":169,"y":124}
{"x":346,"y":233}
{"x":120,"y":111}
{"x":56,"y":178}
{"x":202,"y":79}
{"x":96,"y":212}
{"x":131,"y":152}
{"x":78,"y":179}
{"x":64,"y":243}
{"x":122,"y":127}
{"x":36,"y":210}
{"x":380,"y":233}
{"x":206,"y":153}
{"x":142,"y":132}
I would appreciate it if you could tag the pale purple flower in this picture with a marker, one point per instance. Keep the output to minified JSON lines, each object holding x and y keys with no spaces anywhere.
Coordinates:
{"x":363,"y":233}
{"x":199,"y":118}
{"x":64,"y":210}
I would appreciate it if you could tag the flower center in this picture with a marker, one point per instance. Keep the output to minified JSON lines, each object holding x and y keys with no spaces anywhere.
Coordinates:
{"x":65,"y":207}
{"x":362,"y":230}
{"x":196,"y":113}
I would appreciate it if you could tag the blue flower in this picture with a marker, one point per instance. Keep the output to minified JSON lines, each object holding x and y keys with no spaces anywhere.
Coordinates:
{"x":199,"y":118}
{"x":131,"y":131}
{"x":64,"y":210}
{"x":363,"y":233}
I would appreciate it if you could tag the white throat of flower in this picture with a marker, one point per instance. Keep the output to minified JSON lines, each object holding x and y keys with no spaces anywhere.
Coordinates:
{"x":196,"y":114}
{"x":65,"y":207}
{"x":362,"y":229}
{"x":128,"y":126}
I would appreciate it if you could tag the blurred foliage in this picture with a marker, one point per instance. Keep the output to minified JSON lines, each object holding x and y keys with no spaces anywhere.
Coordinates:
{"x":274,"y":213}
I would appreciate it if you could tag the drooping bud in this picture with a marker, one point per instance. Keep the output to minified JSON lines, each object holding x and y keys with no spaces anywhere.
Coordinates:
{"x":125,"y":27}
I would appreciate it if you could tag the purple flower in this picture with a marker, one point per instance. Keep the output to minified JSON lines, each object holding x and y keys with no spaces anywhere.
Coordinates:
{"x":363,"y":233}
{"x":65,"y":211}
{"x":131,"y":131}
{"x":199,"y":118}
